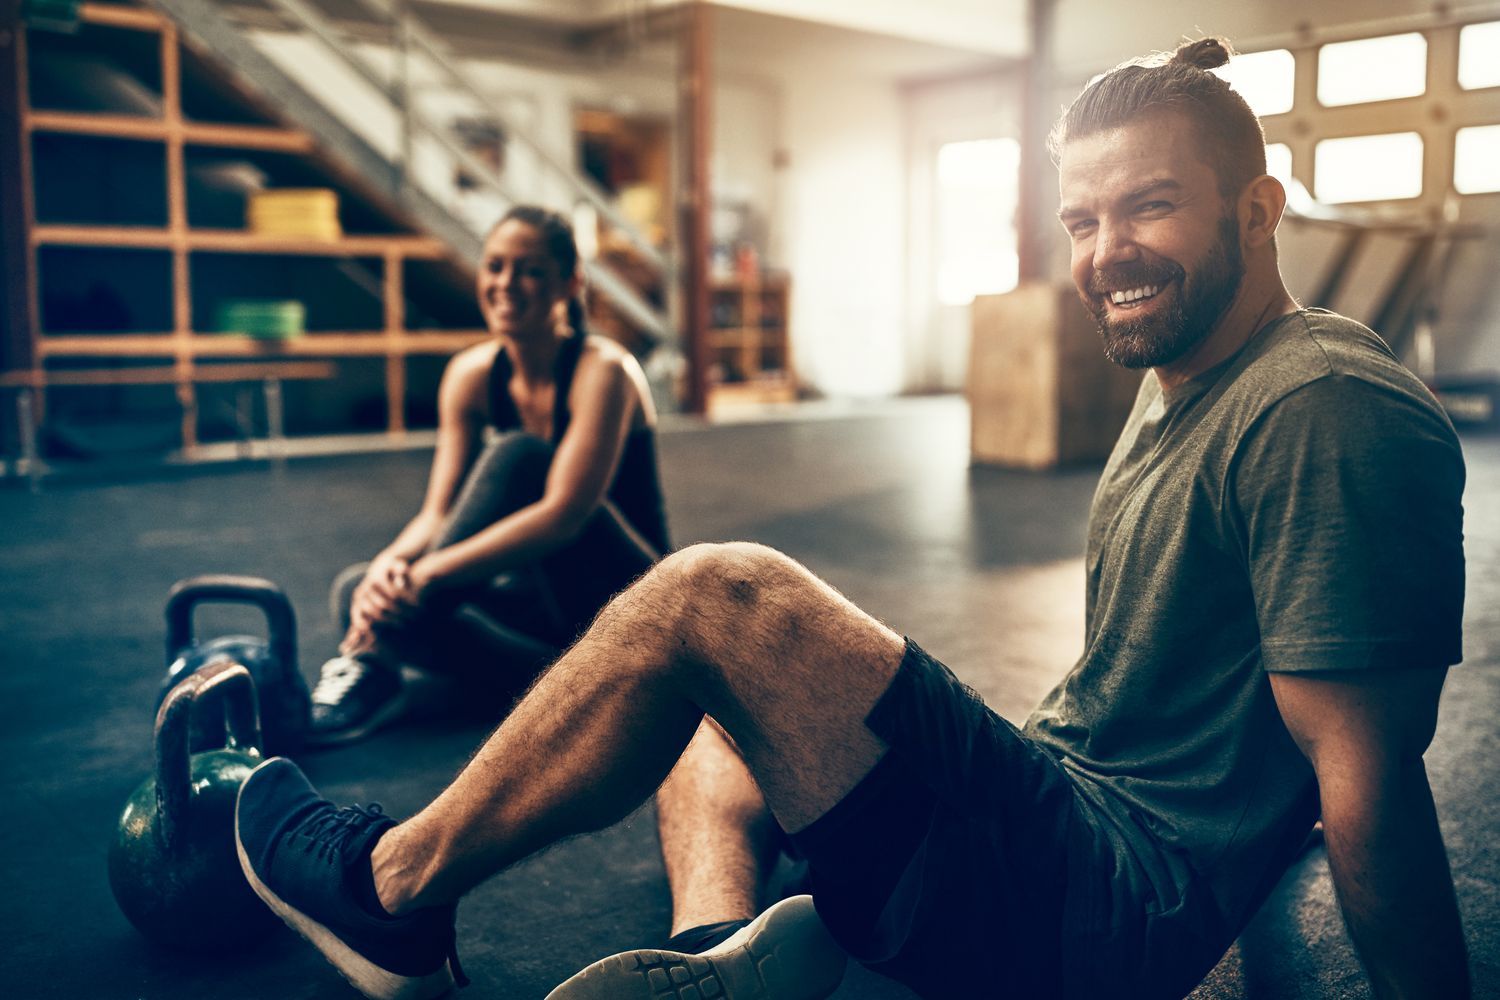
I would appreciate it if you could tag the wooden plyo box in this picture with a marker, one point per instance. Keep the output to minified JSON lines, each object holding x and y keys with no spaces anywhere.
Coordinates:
{"x":1041,"y":392}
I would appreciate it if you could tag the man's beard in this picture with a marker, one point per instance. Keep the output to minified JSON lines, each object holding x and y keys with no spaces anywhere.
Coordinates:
{"x":1199,"y":304}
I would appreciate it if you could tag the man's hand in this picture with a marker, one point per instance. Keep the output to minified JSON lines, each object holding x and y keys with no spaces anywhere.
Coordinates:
{"x":1365,"y":734}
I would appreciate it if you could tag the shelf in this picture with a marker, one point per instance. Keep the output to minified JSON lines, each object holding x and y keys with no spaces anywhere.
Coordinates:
{"x":750,"y":358}
{"x":118,"y":16}
{"x":119,"y":126}
{"x":269,"y":138}
{"x":115,"y":297}
{"x":170,"y":376}
{"x":239,"y":241}
{"x":228,"y":345}
{"x":735,"y":285}
{"x":129,"y":237}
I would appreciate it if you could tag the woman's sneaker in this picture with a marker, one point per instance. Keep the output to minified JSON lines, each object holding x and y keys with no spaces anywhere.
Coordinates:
{"x":310,"y":862}
{"x":784,"y":954}
{"x":354,"y":696}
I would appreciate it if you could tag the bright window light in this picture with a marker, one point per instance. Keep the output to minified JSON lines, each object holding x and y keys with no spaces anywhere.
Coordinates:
{"x":1479,"y":56}
{"x":1372,"y":69}
{"x":1279,"y":161}
{"x":1368,"y":168}
{"x":978,"y":184}
{"x":1476,"y":160}
{"x":1264,"y":79}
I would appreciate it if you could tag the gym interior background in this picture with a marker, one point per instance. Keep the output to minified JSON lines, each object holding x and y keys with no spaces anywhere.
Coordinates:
{"x":238,"y":240}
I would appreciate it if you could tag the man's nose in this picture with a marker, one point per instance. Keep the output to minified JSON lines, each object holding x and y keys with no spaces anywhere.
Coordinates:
{"x":1114,"y":244}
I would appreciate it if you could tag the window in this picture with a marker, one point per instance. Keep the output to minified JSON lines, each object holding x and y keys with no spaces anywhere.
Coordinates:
{"x":1264,"y":79}
{"x":1372,"y":69}
{"x":1368,"y":168}
{"x":1476,"y":160}
{"x":1479,"y":56}
{"x":978,"y":184}
{"x":1279,"y":161}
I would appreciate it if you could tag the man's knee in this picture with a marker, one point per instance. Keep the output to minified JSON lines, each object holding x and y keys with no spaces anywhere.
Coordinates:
{"x":734,"y":575}
{"x":722,"y":601}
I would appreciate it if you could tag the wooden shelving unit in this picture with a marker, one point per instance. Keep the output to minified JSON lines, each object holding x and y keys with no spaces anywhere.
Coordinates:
{"x":751,"y":359}
{"x":34,"y":359}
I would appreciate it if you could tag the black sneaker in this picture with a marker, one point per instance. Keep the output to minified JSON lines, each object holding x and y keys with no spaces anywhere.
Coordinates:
{"x":784,"y":954}
{"x":697,"y":940}
{"x":306,"y":859}
{"x":354,"y":696}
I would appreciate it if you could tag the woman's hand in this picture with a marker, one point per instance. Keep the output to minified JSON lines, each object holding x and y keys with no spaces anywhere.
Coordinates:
{"x":419,"y":584}
{"x":377,"y":597}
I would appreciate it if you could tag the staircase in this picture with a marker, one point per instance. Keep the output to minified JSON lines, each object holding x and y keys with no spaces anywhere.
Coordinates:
{"x":129,"y":139}
{"x":375,"y":122}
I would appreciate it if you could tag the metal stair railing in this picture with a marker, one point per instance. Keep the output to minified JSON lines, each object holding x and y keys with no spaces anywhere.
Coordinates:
{"x":202,"y":19}
{"x":438,"y":52}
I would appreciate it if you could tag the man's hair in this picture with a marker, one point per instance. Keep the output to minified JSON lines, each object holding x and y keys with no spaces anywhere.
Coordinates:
{"x":1229,"y":134}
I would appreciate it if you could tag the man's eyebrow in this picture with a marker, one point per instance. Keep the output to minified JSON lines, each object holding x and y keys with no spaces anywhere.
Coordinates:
{"x":1150,"y":187}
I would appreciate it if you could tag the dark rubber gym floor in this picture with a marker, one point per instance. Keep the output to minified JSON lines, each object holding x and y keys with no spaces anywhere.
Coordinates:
{"x":982,"y":566}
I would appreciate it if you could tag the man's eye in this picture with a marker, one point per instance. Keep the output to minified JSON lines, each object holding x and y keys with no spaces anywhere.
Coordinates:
{"x":1155,"y":206}
{"x":1079,"y":230}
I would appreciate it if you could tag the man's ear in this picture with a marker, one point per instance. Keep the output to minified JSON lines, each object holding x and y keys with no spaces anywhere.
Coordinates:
{"x":1260,"y":209}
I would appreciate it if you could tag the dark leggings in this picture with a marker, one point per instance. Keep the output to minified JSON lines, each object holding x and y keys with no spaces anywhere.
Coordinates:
{"x":525,"y":617}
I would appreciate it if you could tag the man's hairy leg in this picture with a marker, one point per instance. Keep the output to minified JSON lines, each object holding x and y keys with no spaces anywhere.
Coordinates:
{"x":718,"y":840}
{"x":785,"y":664}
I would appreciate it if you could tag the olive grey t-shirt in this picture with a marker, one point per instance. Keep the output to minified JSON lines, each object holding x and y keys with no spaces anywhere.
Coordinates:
{"x":1296,"y":508}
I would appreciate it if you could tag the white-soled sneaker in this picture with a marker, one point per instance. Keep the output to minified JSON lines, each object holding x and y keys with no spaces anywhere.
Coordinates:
{"x":784,"y":954}
{"x":302,"y":855}
{"x":354,"y":696}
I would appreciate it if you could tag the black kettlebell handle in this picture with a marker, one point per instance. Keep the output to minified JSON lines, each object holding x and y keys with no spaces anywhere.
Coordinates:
{"x":224,"y":588}
{"x":174,"y":766}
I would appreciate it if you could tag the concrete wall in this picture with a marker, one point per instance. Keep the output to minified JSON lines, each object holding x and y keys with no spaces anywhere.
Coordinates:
{"x":981,"y":106}
{"x":843,"y":233}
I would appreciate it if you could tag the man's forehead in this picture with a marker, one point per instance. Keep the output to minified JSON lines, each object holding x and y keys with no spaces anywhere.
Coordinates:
{"x":1117,"y":161}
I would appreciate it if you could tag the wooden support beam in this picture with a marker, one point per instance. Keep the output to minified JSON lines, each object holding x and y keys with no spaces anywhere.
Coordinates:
{"x":19,"y":320}
{"x":1035,"y":221}
{"x":394,"y":301}
{"x":695,"y":118}
{"x":16,"y":299}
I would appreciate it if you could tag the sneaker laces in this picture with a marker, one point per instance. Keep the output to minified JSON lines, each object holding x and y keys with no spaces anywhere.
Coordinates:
{"x":330,"y":832}
{"x":339,"y":675}
{"x":331,"y":829}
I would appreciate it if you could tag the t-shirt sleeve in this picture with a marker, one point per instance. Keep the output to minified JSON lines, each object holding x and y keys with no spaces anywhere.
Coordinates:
{"x":1347,"y":498}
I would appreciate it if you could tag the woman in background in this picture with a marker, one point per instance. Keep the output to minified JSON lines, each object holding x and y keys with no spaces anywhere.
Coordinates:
{"x":544,"y":498}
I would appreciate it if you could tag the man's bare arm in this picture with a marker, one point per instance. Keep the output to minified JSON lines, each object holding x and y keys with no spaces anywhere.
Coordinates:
{"x":1365,"y":735}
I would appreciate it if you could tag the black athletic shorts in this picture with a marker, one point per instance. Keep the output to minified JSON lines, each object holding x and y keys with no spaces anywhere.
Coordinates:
{"x":966,"y":864}
{"x":946,"y":867}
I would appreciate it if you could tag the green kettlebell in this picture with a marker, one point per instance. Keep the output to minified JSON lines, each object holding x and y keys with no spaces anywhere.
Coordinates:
{"x":173,"y":865}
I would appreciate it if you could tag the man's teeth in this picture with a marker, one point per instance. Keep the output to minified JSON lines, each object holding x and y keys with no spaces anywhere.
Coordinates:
{"x":1134,"y":294}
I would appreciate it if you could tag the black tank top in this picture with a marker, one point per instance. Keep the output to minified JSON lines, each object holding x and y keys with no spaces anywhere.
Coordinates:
{"x":636,"y":488}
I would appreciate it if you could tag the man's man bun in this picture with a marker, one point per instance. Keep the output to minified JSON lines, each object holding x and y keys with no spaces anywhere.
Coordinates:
{"x":1229,"y":135}
{"x":1205,"y":53}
